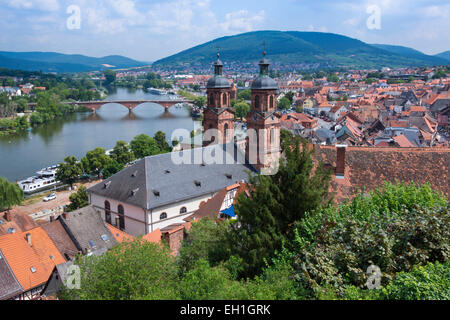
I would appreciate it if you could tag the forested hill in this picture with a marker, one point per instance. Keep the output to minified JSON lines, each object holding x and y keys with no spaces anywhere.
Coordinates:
{"x":296,"y":48}
{"x":58,"y":62}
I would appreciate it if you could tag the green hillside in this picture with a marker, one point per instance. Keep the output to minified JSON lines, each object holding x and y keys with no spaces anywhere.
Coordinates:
{"x":412,"y":53}
{"x":57,"y":62}
{"x":444,"y":55}
{"x":293,"y":47}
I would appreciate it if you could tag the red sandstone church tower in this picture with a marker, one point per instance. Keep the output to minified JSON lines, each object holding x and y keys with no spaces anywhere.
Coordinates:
{"x":263,"y":124}
{"x":218,"y":114}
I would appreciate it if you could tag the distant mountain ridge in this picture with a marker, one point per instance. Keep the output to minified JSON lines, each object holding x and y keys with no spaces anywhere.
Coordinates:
{"x":58,"y":62}
{"x":295,"y":47}
{"x":444,"y":55}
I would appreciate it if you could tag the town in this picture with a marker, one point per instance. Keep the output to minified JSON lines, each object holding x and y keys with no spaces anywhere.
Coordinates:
{"x":265,"y":165}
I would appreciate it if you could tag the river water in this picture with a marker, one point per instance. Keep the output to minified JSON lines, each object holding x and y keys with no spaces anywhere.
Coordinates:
{"x":23,"y":154}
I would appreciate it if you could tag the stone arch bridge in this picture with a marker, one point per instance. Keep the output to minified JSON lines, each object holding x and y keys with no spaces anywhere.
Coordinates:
{"x":129,"y":104}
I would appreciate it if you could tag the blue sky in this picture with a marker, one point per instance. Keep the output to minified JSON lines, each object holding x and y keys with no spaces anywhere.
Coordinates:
{"x":151,"y":29}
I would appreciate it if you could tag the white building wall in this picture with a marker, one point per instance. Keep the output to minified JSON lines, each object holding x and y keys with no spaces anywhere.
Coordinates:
{"x":135,"y":217}
{"x":173,"y":212}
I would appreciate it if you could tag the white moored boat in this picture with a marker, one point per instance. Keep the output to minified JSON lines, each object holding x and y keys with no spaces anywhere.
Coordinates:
{"x":45,"y":179}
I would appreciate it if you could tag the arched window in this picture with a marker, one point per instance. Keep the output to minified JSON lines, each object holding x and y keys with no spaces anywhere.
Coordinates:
{"x":256,"y":102}
{"x":211,"y":99}
{"x":107,"y":212}
{"x":271,"y":104}
{"x":272,"y":136}
{"x":183,"y":210}
{"x":121,"y":217}
{"x":163,"y":216}
{"x":224,"y":100}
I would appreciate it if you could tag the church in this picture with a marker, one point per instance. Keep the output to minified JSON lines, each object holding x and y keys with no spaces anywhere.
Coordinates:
{"x":156,"y":192}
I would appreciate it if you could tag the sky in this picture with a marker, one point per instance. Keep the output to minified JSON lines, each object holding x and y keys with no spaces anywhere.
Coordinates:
{"x":148,"y":30}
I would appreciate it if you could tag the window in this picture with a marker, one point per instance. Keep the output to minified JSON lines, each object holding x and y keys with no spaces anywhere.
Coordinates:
{"x":183,"y":210}
{"x":121,"y":217}
{"x":163,"y":216}
{"x":271,"y":104}
{"x":224,"y":100}
{"x":257,"y":102}
{"x":225,"y":132}
{"x":211,"y":99}
{"x":107,"y":212}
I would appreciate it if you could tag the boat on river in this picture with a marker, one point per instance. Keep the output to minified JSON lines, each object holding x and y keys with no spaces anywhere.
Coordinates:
{"x":45,"y":179}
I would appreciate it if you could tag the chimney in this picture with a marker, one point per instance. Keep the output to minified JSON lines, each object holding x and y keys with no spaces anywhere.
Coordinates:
{"x":340,"y":160}
{"x":52,"y":218}
{"x":28,"y":235}
{"x":65,"y":215}
{"x":8,"y":216}
{"x":117,"y":222}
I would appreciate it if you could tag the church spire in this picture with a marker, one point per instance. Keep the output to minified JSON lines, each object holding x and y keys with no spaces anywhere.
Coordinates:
{"x":218,"y":66}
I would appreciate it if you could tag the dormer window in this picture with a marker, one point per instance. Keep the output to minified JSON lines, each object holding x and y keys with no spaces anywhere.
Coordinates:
{"x":133,"y":192}
{"x":229,"y":176}
{"x":134,"y":174}
{"x":156,"y":193}
{"x":107,"y":184}
{"x":198,"y":183}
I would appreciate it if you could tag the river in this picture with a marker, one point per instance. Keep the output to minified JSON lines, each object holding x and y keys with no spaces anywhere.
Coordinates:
{"x":23,"y":154}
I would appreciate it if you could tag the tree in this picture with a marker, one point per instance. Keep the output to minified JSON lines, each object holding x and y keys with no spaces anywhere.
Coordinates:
{"x":241,"y":109}
{"x":290,"y":95}
{"x":122,"y":153}
{"x":160,"y":138}
{"x":78,"y":200}
{"x":10,"y":194}
{"x":110,"y":76}
{"x":112,"y":168}
{"x":333,"y":78}
{"x":245,"y":95}
{"x":95,"y":161}
{"x":205,"y":240}
{"x":143,"y":146}
{"x":276,"y":203}
{"x":200,"y":101}
{"x":394,"y":228}
{"x":137,"y":270}
{"x":69,"y":171}
{"x":284,"y":103}
{"x":429,"y":282}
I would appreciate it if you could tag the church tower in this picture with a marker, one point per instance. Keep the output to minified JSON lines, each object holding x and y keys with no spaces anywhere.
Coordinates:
{"x":218,"y":115}
{"x":263,"y":124}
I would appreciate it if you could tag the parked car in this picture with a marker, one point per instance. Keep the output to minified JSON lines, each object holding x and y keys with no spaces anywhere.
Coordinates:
{"x":50,"y":197}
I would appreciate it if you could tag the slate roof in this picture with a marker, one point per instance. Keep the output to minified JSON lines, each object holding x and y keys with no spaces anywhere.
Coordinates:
{"x":9,"y":286}
{"x":158,"y":181}
{"x":60,"y":238}
{"x":86,"y":225}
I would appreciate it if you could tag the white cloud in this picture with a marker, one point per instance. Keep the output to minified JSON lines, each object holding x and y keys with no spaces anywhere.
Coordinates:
{"x":43,"y":5}
{"x":241,"y":21}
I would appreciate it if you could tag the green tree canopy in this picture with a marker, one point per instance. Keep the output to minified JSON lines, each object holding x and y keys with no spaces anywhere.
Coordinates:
{"x":110,"y":76}
{"x":10,"y":194}
{"x":284,"y":103}
{"x":137,"y":270}
{"x":122,"y":153}
{"x":95,"y":161}
{"x":79,"y":199}
{"x":241,"y":109}
{"x":143,"y":146}
{"x":163,"y":145}
{"x":69,"y":171}
{"x":276,"y":203}
{"x":245,"y":95}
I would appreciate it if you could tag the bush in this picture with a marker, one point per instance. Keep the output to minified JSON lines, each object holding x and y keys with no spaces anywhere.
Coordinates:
{"x":429,"y":282}
{"x":394,"y":228}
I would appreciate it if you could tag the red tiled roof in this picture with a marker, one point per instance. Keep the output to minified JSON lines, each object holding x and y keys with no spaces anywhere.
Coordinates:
{"x":43,"y":256}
